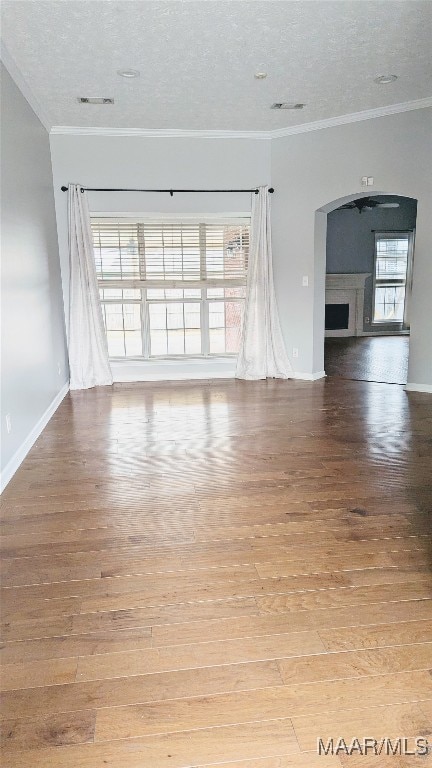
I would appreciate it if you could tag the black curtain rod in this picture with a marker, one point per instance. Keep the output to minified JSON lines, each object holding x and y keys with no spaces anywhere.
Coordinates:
{"x":170,"y":191}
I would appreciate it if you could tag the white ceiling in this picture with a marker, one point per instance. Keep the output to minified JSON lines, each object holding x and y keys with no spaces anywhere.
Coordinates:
{"x":197,"y":59}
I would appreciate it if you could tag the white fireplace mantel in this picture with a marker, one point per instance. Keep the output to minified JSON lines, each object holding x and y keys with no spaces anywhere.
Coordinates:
{"x":347,"y":289}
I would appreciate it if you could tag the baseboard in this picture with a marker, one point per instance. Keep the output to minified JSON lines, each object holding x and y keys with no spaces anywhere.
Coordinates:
{"x":308,"y":376}
{"x":410,"y":387}
{"x":173,"y":370}
{"x":15,"y":462}
{"x":383,"y":333}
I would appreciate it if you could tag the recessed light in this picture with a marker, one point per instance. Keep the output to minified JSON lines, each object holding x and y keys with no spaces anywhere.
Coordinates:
{"x":129,"y":73}
{"x":385,"y":79}
{"x":94,"y":100}
{"x":260,"y":75}
{"x":287,"y":105}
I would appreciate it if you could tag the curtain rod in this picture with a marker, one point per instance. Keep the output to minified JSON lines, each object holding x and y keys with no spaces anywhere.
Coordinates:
{"x":170,"y":191}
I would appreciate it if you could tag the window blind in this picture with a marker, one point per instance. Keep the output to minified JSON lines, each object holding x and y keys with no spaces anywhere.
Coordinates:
{"x":152,"y":253}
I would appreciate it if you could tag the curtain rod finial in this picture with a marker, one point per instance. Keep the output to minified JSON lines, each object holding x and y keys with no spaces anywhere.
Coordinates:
{"x":271,"y":190}
{"x":64,"y":189}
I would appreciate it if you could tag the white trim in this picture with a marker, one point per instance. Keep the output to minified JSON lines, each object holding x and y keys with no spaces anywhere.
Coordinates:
{"x":243,"y":217}
{"x":19,"y":455}
{"x":419,"y":388}
{"x":173,"y":370}
{"x":347,"y":288}
{"x":24,"y":87}
{"x":316,"y":125}
{"x":157,"y":133}
{"x":308,"y":376}
{"x":179,"y":370}
{"x":354,"y":117}
{"x":380,"y":332}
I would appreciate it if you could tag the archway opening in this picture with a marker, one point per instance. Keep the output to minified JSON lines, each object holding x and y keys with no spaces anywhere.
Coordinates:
{"x":366,"y":244}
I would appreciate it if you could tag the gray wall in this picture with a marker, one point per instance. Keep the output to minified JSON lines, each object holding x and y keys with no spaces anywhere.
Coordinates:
{"x":313,"y":173}
{"x":155,"y":163}
{"x":351,"y":241}
{"x":33,"y":339}
{"x":310,"y":172}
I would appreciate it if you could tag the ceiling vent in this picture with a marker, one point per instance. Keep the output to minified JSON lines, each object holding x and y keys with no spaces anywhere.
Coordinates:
{"x":94,"y":100}
{"x":286,"y":105}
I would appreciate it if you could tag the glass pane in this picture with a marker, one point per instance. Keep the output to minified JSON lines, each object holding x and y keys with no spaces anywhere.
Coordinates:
{"x":172,"y":251}
{"x":192,"y":315}
{"x":238,"y":292}
{"x":120,"y":293}
{"x":389,"y":304}
{"x":113,"y":317}
{"x":227,"y":248}
{"x":123,"y":329}
{"x":158,"y":342}
{"x":133,"y":344}
{"x":116,"y":347}
{"x":116,"y":250}
{"x":193,"y":341}
{"x":158,"y":319}
{"x":391,"y":258}
{"x":173,"y":293}
{"x":175,"y":328}
{"x":175,"y":315}
{"x":225,"y":319}
{"x":176,"y":344}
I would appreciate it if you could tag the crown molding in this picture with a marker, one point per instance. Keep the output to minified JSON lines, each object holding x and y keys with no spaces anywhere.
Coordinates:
{"x":317,"y":125}
{"x":354,"y":117}
{"x":24,"y":87}
{"x":156,"y":133}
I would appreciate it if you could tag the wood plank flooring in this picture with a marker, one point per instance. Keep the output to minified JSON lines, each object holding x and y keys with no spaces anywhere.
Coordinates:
{"x":219,"y":573}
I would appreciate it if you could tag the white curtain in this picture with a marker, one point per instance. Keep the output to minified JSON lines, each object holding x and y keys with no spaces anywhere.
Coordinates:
{"x":262,"y":351}
{"x":88,"y":349}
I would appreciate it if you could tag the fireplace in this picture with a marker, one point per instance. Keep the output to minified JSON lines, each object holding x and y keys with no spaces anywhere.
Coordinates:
{"x":336,"y":317}
{"x":344,"y":300}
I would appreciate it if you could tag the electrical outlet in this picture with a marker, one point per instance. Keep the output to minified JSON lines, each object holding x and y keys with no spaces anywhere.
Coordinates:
{"x":367,"y":320}
{"x":305,"y":281}
{"x":59,"y":369}
{"x":295,"y":352}
{"x":8,"y":423}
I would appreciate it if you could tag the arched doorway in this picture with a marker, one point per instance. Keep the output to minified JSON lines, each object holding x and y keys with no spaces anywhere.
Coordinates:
{"x":365,"y":245}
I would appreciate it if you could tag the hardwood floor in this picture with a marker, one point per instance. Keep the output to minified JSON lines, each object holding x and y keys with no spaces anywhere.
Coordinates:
{"x":369,"y":358}
{"x":202,"y":573}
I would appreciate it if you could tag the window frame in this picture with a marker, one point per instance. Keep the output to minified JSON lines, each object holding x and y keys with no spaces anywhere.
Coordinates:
{"x":240,"y":219}
{"x":406,"y":282}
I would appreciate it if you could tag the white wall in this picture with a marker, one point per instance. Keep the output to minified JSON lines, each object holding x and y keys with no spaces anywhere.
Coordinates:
{"x":136,"y":161}
{"x":33,"y":339}
{"x":309,"y":171}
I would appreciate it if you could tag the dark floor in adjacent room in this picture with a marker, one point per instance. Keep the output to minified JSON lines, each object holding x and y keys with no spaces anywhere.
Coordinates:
{"x":368,"y":358}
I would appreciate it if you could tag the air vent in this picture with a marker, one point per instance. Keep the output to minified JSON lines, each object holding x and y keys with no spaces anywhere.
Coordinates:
{"x":94,"y":100}
{"x":286,"y":105}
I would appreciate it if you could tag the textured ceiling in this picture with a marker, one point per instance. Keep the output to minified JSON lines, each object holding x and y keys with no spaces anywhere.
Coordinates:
{"x":197,"y":59}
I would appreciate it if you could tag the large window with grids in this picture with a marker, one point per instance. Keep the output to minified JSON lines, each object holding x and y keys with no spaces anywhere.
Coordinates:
{"x":171,"y":288}
{"x":392,"y":276}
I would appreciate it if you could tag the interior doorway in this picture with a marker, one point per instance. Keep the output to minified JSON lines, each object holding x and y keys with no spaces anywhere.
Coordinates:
{"x":369,"y":264}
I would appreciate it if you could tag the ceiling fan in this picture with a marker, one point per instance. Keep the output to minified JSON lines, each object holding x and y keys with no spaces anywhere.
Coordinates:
{"x":366,"y":203}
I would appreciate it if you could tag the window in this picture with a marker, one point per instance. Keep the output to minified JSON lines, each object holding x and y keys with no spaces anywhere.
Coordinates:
{"x":171,"y":289}
{"x":392,"y":271}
